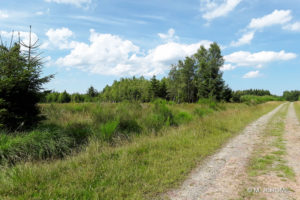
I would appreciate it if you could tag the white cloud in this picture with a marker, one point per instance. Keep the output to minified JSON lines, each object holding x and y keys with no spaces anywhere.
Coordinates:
{"x":277,"y":17}
{"x":293,"y":27}
{"x":170,"y":36}
{"x":227,"y":67}
{"x":58,"y":38}
{"x":252,"y":74}
{"x":3,"y":15}
{"x":245,"y":39}
{"x":111,"y":55}
{"x":247,"y":59}
{"x":77,"y":3}
{"x":217,"y":8}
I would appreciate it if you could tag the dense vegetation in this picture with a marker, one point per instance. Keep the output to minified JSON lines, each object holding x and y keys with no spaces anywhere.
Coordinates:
{"x":143,"y":168}
{"x":291,"y":95}
{"x":20,"y":86}
{"x":236,"y":96}
{"x":195,"y":77}
{"x":70,"y":125}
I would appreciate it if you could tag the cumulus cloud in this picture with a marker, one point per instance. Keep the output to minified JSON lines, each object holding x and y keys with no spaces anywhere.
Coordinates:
{"x":58,"y":38}
{"x":217,"y":8}
{"x":293,"y":27}
{"x":277,"y":17}
{"x":109,"y":54}
{"x":247,"y":59}
{"x":252,"y":74}
{"x":227,"y":67}
{"x":77,"y":3}
{"x":170,"y":36}
{"x":245,"y":39}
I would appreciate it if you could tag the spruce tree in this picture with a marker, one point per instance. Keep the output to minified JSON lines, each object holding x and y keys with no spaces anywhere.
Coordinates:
{"x":20,"y":85}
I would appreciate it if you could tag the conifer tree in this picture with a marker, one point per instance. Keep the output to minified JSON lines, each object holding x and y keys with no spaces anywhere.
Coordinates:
{"x":20,"y":84}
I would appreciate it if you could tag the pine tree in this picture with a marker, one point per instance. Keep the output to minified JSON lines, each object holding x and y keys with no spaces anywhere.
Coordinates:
{"x":20,"y":85}
{"x":92,"y":92}
{"x":210,"y":82}
{"x":163,"y":89}
{"x":64,"y":97}
{"x":154,"y":88}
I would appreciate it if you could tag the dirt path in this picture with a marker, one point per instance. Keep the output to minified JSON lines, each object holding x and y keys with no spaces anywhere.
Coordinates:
{"x":292,"y":137}
{"x":220,"y":176}
{"x":273,"y":184}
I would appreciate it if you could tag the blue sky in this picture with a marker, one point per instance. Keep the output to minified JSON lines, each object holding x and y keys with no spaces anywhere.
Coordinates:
{"x":94,"y":42}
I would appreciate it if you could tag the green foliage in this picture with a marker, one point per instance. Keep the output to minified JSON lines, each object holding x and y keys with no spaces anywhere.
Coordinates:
{"x":161,"y":109}
{"x":183,"y":117}
{"x":212,"y":104}
{"x":251,"y":99}
{"x":154,"y":88}
{"x":92,"y":92}
{"x":48,"y":142}
{"x":64,"y":97}
{"x":20,"y":87}
{"x":236,"y":95}
{"x":199,"y":76}
{"x":201,"y":112}
{"x":130,"y":89}
{"x":291,"y":95}
{"x":108,"y":130}
{"x":155,"y":163}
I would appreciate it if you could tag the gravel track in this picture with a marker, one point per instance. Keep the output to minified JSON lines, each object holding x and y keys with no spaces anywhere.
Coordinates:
{"x":222,"y":174}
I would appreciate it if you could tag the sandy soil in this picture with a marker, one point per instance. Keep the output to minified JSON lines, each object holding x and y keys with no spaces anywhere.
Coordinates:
{"x":221,"y":175}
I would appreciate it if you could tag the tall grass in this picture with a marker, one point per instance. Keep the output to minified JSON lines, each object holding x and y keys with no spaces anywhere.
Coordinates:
{"x":69,"y":126}
{"x":141,"y":169}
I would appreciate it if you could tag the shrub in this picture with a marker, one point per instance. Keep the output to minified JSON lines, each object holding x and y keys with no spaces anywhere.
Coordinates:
{"x":102,"y":114}
{"x":154,"y":122}
{"x":160,"y":108}
{"x":201,"y":112}
{"x":183,"y":117}
{"x":108,"y":130}
{"x":252,"y":100}
{"x":129,"y":125}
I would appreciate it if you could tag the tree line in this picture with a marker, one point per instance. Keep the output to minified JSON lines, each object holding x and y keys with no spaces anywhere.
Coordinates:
{"x":64,"y":97}
{"x":195,"y":77}
{"x":293,"y":95}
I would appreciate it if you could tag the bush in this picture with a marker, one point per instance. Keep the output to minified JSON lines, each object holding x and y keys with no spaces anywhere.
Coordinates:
{"x":129,"y":126}
{"x":160,"y":108}
{"x":108,"y":130}
{"x":201,"y":112}
{"x":183,"y":117}
{"x":253,"y":100}
{"x":154,"y":122}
